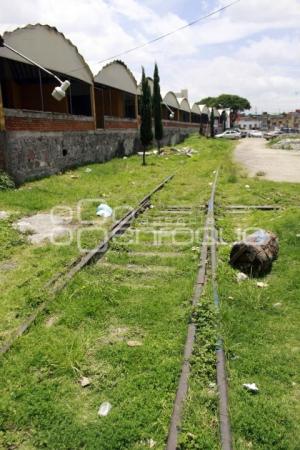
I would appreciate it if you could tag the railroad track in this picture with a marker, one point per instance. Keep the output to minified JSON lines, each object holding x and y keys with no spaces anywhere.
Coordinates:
{"x":208,"y":248}
{"x":156,"y":236}
{"x":59,"y":282}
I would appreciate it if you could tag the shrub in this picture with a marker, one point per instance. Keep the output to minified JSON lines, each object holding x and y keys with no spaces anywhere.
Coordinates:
{"x":6,"y":181}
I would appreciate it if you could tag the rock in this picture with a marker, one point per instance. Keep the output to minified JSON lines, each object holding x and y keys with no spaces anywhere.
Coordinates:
{"x":260,"y":284}
{"x":84,"y":381}
{"x":3,"y":215}
{"x":151,"y":443}
{"x":51,"y":321}
{"x":134,"y":343}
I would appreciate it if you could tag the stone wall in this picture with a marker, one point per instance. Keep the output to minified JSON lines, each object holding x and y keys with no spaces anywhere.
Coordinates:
{"x":2,"y":150}
{"x":31,"y":155}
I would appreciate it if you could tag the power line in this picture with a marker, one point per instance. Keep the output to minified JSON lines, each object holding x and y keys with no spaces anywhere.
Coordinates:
{"x":163,"y":36}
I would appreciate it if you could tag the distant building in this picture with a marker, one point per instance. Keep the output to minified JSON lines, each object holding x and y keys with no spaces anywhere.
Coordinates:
{"x":289,"y":120}
{"x":249,"y":122}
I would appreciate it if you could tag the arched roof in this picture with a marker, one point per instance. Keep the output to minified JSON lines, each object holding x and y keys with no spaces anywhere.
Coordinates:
{"x":48,"y":47}
{"x":151,"y":84}
{"x":117,"y":75}
{"x":185,"y":106}
{"x":204,"y":109}
{"x":195,"y":109}
{"x":171,"y":100}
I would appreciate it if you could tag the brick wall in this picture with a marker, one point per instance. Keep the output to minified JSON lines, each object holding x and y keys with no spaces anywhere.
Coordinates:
{"x":175,"y":124}
{"x":119,"y":123}
{"x":17,"y":120}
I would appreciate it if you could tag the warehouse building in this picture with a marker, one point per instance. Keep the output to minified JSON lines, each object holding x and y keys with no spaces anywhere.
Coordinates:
{"x":185,"y":111}
{"x":195,"y":114}
{"x":26,"y":90}
{"x":116,"y":97}
{"x":96,"y":119}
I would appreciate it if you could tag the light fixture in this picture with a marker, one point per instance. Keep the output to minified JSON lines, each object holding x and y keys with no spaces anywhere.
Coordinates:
{"x":60,"y":91}
{"x":172,"y":114}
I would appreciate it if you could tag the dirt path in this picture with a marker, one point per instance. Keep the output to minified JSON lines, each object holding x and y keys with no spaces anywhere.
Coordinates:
{"x":278,"y":165}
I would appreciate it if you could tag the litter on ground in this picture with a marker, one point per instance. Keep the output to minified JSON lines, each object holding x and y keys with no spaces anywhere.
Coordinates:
{"x":104,"y":210}
{"x":241,"y":277}
{"x":251,"y":387}
{"x":104,"y":409}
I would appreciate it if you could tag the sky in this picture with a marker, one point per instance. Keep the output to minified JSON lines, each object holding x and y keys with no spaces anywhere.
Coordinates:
{"x":251,"y":49}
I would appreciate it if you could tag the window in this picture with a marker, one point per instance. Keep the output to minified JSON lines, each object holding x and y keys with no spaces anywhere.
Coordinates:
{"x":195,"y":118}
{"x":129,"y":106}
{"x":25,"y":86}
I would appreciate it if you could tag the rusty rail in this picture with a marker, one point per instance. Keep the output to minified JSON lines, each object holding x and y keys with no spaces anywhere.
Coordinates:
{"x":59,"y":282}
{"x":182,"y":389}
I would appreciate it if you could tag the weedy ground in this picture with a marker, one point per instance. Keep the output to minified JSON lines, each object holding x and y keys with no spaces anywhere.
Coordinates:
{"x":122,"y":322}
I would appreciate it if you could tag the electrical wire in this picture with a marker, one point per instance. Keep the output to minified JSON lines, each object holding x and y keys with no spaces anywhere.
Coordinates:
{"x":163,"y":36}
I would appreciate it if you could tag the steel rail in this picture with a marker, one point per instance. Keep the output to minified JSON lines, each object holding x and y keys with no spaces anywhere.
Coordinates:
{"x":182,"y":389}
{"x":59,"y":282}
{"x":222,"y":383}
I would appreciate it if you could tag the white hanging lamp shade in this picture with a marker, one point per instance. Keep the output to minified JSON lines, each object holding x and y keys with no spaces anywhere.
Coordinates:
{"x":60,"y":91}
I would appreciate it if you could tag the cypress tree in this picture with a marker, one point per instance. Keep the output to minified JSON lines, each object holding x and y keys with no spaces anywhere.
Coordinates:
{"x":212,"y":123}
{"x":157,"y":113}
{"x":146,"y":134}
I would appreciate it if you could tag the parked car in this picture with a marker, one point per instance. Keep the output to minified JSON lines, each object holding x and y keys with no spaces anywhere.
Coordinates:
{"x":243,"y":133}
{"x":229,"y":134}
{"x":255,"y":133}
{"x":271,"y":134}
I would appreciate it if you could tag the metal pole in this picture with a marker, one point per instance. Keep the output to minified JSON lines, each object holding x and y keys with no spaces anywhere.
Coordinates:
{"x":32,"y":62}
{"x":41,"y":89}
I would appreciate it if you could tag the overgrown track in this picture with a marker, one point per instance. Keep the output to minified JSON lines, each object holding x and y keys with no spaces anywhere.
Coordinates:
{"x":209,"y":240}
{"x":131,"y":263}
{"x":61,"y":280}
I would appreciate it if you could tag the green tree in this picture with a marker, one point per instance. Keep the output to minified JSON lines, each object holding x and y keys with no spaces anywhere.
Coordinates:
{"x":146,"y":134}
{"x":234,"y":102}
{"x":157,"y":113}
{"x":212,"y":123}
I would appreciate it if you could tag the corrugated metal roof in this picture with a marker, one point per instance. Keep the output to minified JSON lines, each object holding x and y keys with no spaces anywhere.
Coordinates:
{"x":48,"y":47}
{"x":185,"y":106}
{"x":117,"y":75}
{"x":171,"y":100}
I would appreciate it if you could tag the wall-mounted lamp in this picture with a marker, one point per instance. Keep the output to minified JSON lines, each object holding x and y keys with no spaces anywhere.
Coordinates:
{"x":172,"y":114}
{"x":60,"y":91}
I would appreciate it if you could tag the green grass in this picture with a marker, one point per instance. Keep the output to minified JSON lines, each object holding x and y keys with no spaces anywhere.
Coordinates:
{"x":120,"y":298}
{"x":261,"y":330}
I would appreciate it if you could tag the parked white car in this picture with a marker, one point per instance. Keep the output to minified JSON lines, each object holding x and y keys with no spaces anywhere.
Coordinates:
{"x":255,"y":133}
{"x":229,"y":134}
